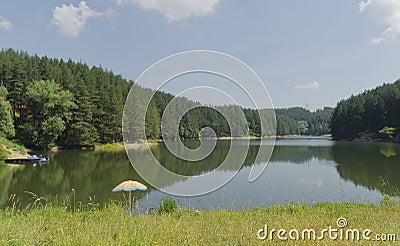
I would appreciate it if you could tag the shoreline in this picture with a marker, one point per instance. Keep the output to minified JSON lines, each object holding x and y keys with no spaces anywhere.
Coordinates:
{"x":121,"y":145}
{"x":367,"y":140}
{"x":16,"y":154}
{"x":9,"y":149}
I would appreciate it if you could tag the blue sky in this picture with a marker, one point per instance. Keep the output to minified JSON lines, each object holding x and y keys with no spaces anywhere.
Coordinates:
{"x":308,"y":53}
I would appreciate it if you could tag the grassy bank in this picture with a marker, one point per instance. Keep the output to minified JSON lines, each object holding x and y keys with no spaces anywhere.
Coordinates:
{"x":109,"y":146}
{"x":120,"y":145}
{"x":112,"y":226}
{"x":10,"y":149}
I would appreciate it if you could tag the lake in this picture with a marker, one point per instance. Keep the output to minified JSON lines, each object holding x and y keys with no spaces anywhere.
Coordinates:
{"x":309,"y":170}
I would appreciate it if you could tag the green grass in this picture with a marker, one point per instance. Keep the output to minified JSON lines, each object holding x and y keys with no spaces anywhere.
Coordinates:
{"x":111,"y":145}
{"x":110,"y":225}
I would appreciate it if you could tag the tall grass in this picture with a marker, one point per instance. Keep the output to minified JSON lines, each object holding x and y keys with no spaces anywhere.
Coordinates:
{"x":47,"y":224}
{"x":168,"y":205}
{"x":69,"y":222}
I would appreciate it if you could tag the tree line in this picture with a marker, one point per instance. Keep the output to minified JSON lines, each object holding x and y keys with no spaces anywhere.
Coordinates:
{"x":372,"y":114}
{"x":232,"y":120}
{"x":46,"y":102}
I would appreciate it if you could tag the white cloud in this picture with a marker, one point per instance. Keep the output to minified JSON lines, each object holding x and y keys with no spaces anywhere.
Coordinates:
{"x":312,"y":182}
{"x":71,"y":20}
{"x":176,"y":10}
{"x":5,"y":24}
{"x":386,"y":12}
{"x":308,"y":86}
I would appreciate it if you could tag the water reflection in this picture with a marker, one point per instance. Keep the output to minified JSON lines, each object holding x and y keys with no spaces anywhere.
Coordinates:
{"x":372,"y":165}
{"x":89,"y":173}
{"x":6,"y":177}
{"x":311,"y":170}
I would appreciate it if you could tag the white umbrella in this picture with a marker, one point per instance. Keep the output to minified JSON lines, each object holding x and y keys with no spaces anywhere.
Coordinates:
{"x":129,"y":185}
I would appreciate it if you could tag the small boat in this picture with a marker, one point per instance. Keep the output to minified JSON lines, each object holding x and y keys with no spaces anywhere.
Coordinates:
{"x":31,"y":159}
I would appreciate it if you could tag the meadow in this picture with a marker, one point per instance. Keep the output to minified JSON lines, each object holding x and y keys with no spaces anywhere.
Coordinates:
{"x":46,"y":224}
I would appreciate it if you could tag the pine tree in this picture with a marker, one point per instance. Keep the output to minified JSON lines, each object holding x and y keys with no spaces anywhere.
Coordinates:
{"x":6,"y":120}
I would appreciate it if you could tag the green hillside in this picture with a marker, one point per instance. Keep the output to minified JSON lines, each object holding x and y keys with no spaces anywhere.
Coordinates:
{"x":373,"y":114}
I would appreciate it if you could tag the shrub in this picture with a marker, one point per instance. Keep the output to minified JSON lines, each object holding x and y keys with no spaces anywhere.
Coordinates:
{"x":168,"y":205}
{"x":387,"y":132}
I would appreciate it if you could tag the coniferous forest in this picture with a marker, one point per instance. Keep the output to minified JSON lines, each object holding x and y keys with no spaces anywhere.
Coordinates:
{"x":57,"y":102}
{"x":47,"y":102}
{"x":373,"y":114}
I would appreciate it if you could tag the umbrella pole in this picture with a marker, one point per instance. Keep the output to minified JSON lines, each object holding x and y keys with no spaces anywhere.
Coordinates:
{"x":130,"y":203}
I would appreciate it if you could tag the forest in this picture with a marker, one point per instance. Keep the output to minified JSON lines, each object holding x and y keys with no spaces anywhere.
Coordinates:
{"x":372,"y":115}
{"x":300,"y":121}
{"x":46,"y":102}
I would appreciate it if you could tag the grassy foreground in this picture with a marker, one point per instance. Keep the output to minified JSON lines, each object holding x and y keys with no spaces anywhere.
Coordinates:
{"x":112,"y":226}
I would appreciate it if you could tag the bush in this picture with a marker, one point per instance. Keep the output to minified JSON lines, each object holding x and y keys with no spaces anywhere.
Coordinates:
{"x":168,"y":205}
{"x":387,"y":132}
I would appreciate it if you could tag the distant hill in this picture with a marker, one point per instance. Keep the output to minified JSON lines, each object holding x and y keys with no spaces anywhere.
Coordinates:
{"x":300,"y":121}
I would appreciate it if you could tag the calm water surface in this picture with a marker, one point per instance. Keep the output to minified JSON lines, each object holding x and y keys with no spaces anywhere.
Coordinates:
{"x":300,"y":170}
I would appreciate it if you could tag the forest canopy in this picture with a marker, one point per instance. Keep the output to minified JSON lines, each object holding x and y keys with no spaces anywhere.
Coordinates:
{"x":57,"y":102}
{"x":372,"y":114}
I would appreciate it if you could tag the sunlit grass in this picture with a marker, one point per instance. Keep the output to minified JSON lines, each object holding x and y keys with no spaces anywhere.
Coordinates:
{"x":110,"y":225}
{"x":7,"y":144}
